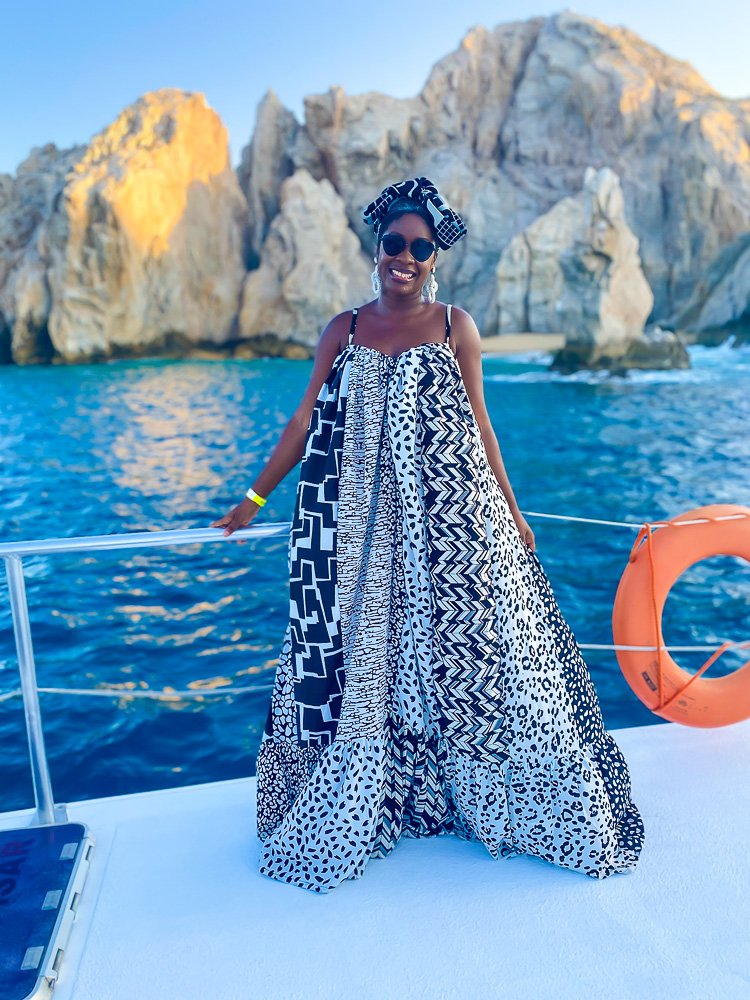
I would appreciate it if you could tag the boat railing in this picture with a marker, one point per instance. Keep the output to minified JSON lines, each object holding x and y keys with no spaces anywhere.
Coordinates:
{"x":13,"y":553}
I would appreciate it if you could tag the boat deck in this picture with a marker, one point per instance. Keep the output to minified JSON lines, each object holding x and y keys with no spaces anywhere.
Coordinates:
{"x":174,"y":906}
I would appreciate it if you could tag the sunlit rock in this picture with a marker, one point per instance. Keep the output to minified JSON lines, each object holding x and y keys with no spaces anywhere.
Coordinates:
{"x":144,"y":245}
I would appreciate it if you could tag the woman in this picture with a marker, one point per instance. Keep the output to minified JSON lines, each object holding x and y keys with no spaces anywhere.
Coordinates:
{"x":427,"y":682}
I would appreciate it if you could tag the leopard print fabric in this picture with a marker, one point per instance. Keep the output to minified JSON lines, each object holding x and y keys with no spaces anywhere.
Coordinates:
{"x":454,"y":699}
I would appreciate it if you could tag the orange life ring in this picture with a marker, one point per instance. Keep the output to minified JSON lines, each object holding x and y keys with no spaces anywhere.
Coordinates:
{"x":656,"y":561}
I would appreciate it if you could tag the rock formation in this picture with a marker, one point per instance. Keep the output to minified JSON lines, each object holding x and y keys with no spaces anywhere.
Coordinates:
{"x":265,"y":164}
{"x":143,"y":239}
{"x":507,"y":125}
{"x":143,"y":247}
{"x":26,"y":204}
{"x":720,"y":305}
{"x":312,"y":266}
{"x":576,"y":270}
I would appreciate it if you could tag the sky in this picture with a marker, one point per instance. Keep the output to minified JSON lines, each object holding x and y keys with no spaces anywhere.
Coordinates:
{"x":68,"y":69}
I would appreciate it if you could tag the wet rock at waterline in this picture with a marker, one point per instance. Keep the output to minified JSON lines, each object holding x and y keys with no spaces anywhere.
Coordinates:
{"x":655,"y":349}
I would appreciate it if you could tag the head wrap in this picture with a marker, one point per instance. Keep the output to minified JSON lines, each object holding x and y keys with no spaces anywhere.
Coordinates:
{"x":448,"y":225}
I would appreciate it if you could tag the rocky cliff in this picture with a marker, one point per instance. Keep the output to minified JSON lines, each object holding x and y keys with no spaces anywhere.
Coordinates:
{"x":312,"y":265}
{"x":508,"y":124}
{"x":135,"y":243}
{"x":146,"y":237}
{"x":577,"y":269}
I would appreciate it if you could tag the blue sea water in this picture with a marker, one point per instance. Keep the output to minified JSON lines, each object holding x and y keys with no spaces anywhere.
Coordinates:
{"x":134,"y":446}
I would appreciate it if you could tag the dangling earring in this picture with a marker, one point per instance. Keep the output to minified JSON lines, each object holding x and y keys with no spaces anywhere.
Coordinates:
{"x":429,"y":288}
{"x":375,"y":278}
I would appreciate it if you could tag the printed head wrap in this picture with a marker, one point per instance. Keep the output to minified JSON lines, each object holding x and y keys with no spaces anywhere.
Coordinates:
{"x":448,"y":225}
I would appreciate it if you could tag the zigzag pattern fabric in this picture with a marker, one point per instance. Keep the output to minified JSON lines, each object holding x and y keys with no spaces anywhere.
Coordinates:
{"x":427,"y":682}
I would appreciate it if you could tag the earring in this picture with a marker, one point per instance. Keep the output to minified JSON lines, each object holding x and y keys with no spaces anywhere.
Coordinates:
{"x":429,"y":288}
{"x":375,"y":278}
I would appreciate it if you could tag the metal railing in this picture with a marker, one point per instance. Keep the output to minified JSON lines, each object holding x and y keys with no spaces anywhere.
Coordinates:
{"x":13,"y":552}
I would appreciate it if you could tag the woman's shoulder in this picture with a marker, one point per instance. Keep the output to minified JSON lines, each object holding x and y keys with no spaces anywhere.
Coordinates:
{"x":459,"y":318}
{"x":464,"y":333}
{"x":342,"y":318}
{"x":457,"y":313}
{"x":337,"y":327}
{"x":462,"y":317}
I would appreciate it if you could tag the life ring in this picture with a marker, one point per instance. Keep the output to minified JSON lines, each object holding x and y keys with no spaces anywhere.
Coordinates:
{"x":656,"y":561}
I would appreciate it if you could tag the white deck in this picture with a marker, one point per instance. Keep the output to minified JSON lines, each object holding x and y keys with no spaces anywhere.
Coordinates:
{"x":175,"y":907}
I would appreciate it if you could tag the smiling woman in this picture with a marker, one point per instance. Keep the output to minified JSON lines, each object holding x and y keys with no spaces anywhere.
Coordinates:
{"x":422,"y":250}
{"x":427,"y":682}
{"x":396,"y":245}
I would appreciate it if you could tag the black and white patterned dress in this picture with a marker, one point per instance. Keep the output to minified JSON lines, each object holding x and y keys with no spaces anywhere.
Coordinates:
{"x":427,"y":682}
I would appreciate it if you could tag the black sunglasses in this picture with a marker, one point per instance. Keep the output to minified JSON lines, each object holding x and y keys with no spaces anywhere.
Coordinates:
{"x":394,"y":243}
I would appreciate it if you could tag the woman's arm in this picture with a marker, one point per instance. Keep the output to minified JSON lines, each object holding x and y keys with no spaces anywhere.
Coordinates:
{"x":469,"y":356}
{"x":291,"y":445}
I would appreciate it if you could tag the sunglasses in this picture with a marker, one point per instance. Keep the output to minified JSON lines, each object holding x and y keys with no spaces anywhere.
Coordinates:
{"x":420,"y":249}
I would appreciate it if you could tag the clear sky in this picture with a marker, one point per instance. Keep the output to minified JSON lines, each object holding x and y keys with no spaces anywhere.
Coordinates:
{"x":67,"y":69}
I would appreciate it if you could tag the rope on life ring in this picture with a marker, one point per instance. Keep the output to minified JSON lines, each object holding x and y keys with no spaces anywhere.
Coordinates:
{"x":652,"y":570}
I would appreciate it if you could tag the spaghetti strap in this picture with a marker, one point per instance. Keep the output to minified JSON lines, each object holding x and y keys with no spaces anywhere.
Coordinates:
{"x":353,"y":324}
{"x":448,"y":323}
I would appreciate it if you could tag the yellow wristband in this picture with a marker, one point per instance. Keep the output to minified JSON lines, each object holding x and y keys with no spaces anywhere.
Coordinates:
{"x":252,"y":495}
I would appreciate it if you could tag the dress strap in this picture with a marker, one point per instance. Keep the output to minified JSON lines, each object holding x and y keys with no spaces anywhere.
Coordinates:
{"x":353,"y":324}
{"x":448,"y":323}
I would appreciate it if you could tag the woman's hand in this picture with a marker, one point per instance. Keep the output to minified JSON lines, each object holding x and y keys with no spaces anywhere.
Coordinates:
{"x":523,"y":526}
{"x":238,"y":517}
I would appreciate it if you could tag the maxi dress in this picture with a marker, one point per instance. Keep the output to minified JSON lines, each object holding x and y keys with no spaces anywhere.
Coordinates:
{"x":427,"y":682}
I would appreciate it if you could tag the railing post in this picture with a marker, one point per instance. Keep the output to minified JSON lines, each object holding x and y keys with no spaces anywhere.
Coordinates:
{"x":45,"y":805}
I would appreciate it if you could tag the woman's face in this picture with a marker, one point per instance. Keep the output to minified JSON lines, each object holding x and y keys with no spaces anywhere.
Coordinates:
{"x":404,"y":274}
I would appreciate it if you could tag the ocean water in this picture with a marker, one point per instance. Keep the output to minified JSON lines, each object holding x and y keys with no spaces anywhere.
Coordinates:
{"x":133,"y":446}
